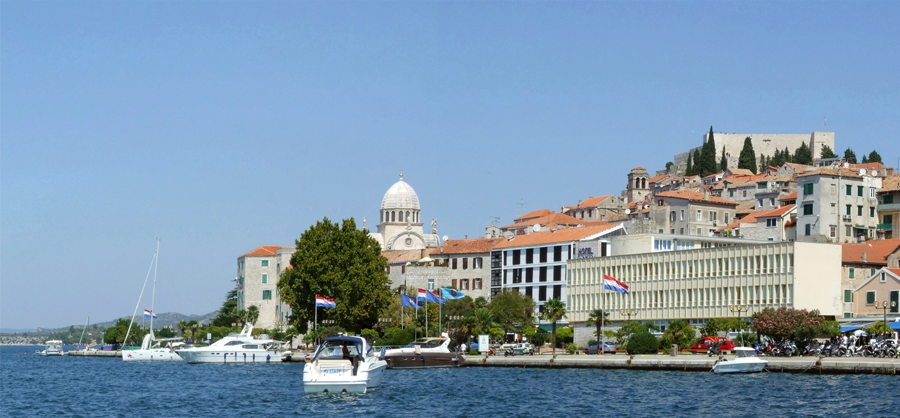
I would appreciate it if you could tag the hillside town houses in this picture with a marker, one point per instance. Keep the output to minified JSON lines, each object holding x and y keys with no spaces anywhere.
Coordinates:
{"x":821,"y":236}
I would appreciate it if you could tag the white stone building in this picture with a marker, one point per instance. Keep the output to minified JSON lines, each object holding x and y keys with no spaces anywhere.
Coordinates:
{"x":837,"y":205}
{"x":258,"y":272}
{"x":400,"y":223}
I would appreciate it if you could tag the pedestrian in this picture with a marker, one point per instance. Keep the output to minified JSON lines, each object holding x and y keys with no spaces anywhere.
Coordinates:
{"x":462,"y":348}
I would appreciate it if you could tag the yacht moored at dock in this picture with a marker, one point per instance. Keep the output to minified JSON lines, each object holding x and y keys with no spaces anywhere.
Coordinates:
{"x":234,"y":348}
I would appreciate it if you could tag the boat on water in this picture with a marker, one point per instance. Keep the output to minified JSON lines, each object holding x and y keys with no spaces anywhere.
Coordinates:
{"x":343,"y":364}
{"x":53,"y":348}
{"x":745,"y":361}
{"x":234,"y":348}
{"x":151,"y":348}
{"x":422,"y":353}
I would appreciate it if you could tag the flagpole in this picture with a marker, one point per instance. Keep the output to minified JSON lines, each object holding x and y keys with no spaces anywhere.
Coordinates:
{"x":401,"y":310}
{"x":440,"y":315}
{"x":316,"y":321}
{"x":426,"y":315}
{"x":602,"y":316}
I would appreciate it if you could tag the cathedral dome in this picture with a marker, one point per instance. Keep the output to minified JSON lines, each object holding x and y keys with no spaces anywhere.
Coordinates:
{"x":400,"y":196}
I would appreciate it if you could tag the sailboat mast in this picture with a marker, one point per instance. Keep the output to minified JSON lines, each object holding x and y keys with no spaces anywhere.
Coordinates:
{"x":136,"y":306}
{"x":153,"y":294}
{"x":84,"y":329}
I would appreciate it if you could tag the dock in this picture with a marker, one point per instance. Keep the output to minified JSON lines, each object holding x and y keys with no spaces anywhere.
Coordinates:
{"x":691,"y":363}
{"x":95,"y":353}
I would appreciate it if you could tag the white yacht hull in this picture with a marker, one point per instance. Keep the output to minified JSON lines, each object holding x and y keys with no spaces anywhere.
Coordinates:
{"x":218,"y":356}
{"x":741,"y":365}
{"x":50,"y":353}
{"x":154,"y":354}
{"x":336,"y":376}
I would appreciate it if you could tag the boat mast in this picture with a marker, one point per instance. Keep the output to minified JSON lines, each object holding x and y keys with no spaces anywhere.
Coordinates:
{"x":84,"y":329}
{"x":153,"y":293}
{"x":152,"y":262}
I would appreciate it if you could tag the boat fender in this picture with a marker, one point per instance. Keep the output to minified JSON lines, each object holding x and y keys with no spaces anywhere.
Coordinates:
{"x":268,"y":357}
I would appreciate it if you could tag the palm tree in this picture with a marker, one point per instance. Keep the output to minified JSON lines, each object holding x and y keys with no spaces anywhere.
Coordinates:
{"x":182,"y":325}
{"x":554,"y":310}
{"x":484,"y":320}
{"x":252,"y":314}
{"x":597,"y":318}
{"x":681,"y":333}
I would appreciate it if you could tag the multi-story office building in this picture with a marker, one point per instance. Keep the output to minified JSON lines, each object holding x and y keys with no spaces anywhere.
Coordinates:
{"x":258,"y":272}
{"x":535,"y":264}
{"x":668,"y":281}
{"x":837,"y":204}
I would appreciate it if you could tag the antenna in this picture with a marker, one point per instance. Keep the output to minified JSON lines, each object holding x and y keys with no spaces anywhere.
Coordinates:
{"x":494,"y":220}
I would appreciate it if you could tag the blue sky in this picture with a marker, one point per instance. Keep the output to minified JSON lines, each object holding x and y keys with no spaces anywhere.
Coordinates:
{"x":219,"y":127}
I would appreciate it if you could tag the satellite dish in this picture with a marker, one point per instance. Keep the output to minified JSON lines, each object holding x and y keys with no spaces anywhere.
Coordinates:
{"x":444,"y":238}
{"x":536,"y":227}
{"x":862,"y":171}
{"x":627,"y":211}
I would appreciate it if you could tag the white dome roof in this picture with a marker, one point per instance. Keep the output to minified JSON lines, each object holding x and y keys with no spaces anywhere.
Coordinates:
{"x":400,"y":196}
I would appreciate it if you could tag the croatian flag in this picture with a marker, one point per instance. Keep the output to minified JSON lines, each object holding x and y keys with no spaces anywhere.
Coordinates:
{"x":610,"y":283}
{"x":324,"y":302}
{"x":148,"y":313}
{"x":423,"y":296}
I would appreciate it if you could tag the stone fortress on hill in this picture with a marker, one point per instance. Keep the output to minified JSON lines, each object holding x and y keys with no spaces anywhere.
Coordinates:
{"x":763,"y":144}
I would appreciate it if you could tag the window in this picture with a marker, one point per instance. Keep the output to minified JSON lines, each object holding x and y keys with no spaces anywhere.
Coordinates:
{"x":557,"y":253}
{"x":772,"y":202}
{"x":883,"y":278}
{"x":726,"y":218}
{"x":849,"y":190}
{"x":265,"y":263}
{"x":529,"y":292}
{"x":759,"y":203}
{"x":557,"y":273}
{"x":698,"y":232}
{"x":808,"y":209}
{"x":516,"y":258}
{"x":870,"y":297}
{"x":476,"y":284}
{"x":713,"y":216}
{"x":465,"y":264}
{"x":888,"y":198}
{"x":832,"y":208}
{"x":771,"y":222}
{"x":848,"y":295}
{"x":848,"y":210}
{"x":731,"y":193}
{"x":744,"y":193}
{"x":267,"y":295}
{"x":529,"y":256}
{"x":852,"y":272}
{"x":557,"y":292}
{"x":682,"y":214}
{"x":833,"y":230}
{"x":807,"y":189}
{"x":699,"y":216}
{"x":543,"y":258}
{"x":542,"y":294}
{"x":265,"y":278}
{"x":542,"y":274}
{"x":872,"y":212}
{"x":477,"y":262}
{"x":463,"y":284}
{"x":808,"y":228}
{"x":431,"y":284}
{"x":453,"y":284}
{"x":454,"y":262}
{"x":871,"y":272}
{"x":859,"y":211}
{"x":529,"y":275}
{"x":871,"y":192}
{"x":859,"y":191}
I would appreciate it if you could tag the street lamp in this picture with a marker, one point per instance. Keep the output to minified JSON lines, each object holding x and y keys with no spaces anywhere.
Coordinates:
{"x":884,"y":307}
{"x":628,"y":313}
{"x":739,"y":309}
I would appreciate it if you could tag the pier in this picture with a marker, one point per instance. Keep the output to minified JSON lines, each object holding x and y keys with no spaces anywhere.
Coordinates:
{"x":95,"y":353}
{"x":692,"y":363}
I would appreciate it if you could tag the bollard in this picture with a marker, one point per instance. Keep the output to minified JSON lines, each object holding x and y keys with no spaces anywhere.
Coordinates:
{"x":674,"y":351}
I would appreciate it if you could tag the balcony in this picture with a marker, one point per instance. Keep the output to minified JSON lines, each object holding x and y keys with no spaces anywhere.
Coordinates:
{"x":885,"y":227}
{"x":888,"y":207}
{"x":847,"y":218}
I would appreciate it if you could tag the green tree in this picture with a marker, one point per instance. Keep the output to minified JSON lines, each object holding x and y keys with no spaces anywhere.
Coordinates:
{"x":723,"y":164}
{"x":679,"y":332}
{"x":874,"y":157}
{"x":689,"y":170}
{"x":565,"y":335}
{"x":696,"y":168}
{"x":713,"y":327}
{"x":512,"y":310}
{"x":831,"y":328}
{"x":227,"y":314}
{"x":879,"y":328}
{"x":631,"y":328}
{"x":849,"y":156}
{"x":707,"y":161}
{"x":597,"y":318}
{"x":865,"y":159}
{"x":669,"y":166}
{"x":484,"y":321}
{"x":642,"y":342}
{"x":802,"y":155}
{"x":747,"y":158}
{"x":827,"y":152}
{"x":554,"y":310}
{"x":340,"y":262}
{"x":252,"y":314}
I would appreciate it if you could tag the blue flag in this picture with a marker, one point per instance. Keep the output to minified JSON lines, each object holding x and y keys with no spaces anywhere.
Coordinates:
{"x":434,"y":298}
{"x":451,"y":294}
{"x":408,"y":302}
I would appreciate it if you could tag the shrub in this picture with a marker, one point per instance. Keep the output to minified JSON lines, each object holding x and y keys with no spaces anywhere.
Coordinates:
{"x":571,"y":348}
{"x":642,"y":343}
{"x":473,"y":352}
{"x":591,"y":341}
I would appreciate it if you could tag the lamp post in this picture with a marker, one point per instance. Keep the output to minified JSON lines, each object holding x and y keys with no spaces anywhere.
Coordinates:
{"x":884,"y":307}
{"x":739,"y":309}
{"x":628,"y":313}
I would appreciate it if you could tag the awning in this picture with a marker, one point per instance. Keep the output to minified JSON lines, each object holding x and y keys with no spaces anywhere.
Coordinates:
{"x":894,"y":325}
{"x":547,"y":328}
{"x":850,"y":328}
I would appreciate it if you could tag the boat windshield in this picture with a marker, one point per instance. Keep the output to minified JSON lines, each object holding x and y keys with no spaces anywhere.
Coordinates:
{"x":336,"y":349}
{"x":744,"y":353}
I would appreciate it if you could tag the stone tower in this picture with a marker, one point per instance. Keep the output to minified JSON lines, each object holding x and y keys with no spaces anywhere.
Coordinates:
{"x":637,"y":189}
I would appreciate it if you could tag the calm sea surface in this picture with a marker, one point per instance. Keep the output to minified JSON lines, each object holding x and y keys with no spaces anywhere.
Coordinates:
{"x":89,"y":387}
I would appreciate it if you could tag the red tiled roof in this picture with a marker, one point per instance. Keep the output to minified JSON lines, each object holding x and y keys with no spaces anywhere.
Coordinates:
{"x":749,"y":219}
{"x":264,"y":251}
{"x":552,"y":220}
{"x":693,"y":196}
{"x":639,"y":168}
{"x":656,"y":179}
{"x":402,"y":256}
{"x":590,"y":202}
{"x":534,"y":214}
{"x":828,"y":171}
{"x":792,"y":196}
{"x":740,"y":172}
{"x":777,"y":212}
{"x":467,"y":246}
{"x":894,"y":270}
{"x":745,"y":207}
{"x":876,"y":251}
{"x":890,"y":184}
{"x":561,"y":235}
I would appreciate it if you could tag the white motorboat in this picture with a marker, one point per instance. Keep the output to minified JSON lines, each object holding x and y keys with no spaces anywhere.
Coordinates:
{"x":343,"y":365}
{"x":745,"y":361}
{"x":54,"y":348}
{"x":150,"y":349}
{"x":234,"y":348}
{"x":422,"y":353}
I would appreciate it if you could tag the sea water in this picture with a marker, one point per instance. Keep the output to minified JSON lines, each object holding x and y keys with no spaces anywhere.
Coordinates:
{"x":31,"y":385}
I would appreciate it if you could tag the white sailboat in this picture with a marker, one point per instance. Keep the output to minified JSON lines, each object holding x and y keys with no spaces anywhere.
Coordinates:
{"x":151,"y":348}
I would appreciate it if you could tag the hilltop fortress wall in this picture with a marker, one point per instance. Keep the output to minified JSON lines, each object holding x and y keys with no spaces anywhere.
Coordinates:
{"x":767,"y":144}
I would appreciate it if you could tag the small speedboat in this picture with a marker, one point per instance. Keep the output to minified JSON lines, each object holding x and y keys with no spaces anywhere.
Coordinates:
{"x":343,"y":364}
{"x":745,"y":361}
{"x":54,"y":348}
{"x":422,"y":353}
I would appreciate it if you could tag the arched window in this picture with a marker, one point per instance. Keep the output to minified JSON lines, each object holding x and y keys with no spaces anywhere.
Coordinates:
{"x":392,"y":216}
{"x":407,"y":216}
{"x":643,"y":183}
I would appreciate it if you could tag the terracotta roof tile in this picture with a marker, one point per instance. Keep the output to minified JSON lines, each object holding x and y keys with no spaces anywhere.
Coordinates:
{"x":749,"y":219}
{"x":534,"y":214}
{"x":403,"y":256}
{"x":890,"y":184}
{"x":792,"y":196}
{"x":656,"y":179}
{"x":467,"y":246}
{"x":693,"y":196}
{"x":591,"y":202}
{"x":745,"y":207}
{"x":265,"y":251}
{"x":828,"y":171}
{"x":876,"y":251}
{"x":777,"y":212}
{"x":894,"y":270}
{"x":740,"y":172}
{"x":552,"y":220}
{"x":561,"y":235}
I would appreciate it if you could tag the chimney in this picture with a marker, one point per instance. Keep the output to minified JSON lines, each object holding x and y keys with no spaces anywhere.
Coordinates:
{"x":864,"y":258}
{"x":467,"y":236}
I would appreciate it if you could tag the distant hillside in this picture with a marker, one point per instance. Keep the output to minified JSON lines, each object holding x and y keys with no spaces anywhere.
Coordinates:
{"x":168,"y":318}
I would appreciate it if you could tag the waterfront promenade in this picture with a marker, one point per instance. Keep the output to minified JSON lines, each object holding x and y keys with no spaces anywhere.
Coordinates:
{"x":692,"y":362}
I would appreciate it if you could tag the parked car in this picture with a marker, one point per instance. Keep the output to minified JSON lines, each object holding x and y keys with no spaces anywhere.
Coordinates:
{"x":704,"y":343}
{"x":592,"y":349}
{"x":523,"y":348}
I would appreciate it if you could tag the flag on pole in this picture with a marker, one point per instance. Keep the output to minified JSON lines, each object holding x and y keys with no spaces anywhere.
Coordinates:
{"x":610,"y":283}
{"x":148,"y":313}
{"x":434,"y":298}
{"x":451,"y":294}
{"x":409,"y":302}
{"x":323,"y":302}
{"x":423,"y":296}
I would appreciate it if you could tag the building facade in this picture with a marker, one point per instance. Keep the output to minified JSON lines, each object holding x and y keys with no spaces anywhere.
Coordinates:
{"x":691,"y":212}
{"x":400,"y":222}
{"x":836,"y":205}
{"x":468,"y":264}
{"x":701,"y":284}
{"x":889,"y":207}
{"x":258,"y":272}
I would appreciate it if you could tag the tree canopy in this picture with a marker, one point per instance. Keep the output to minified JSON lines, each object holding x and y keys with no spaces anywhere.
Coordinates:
{"x":827,"y":152}
{"x":228,"y":313}
{"x":554,"y":310}
{"x":874,"y":157}
{"x":802,"y":155}
{"x":747,"y":158}
{"x":512,"y":310}
{"x":849,"y":156}
{"x":707,"y":162}
{"x":339,"y":262}
{"x":798,"y":325}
